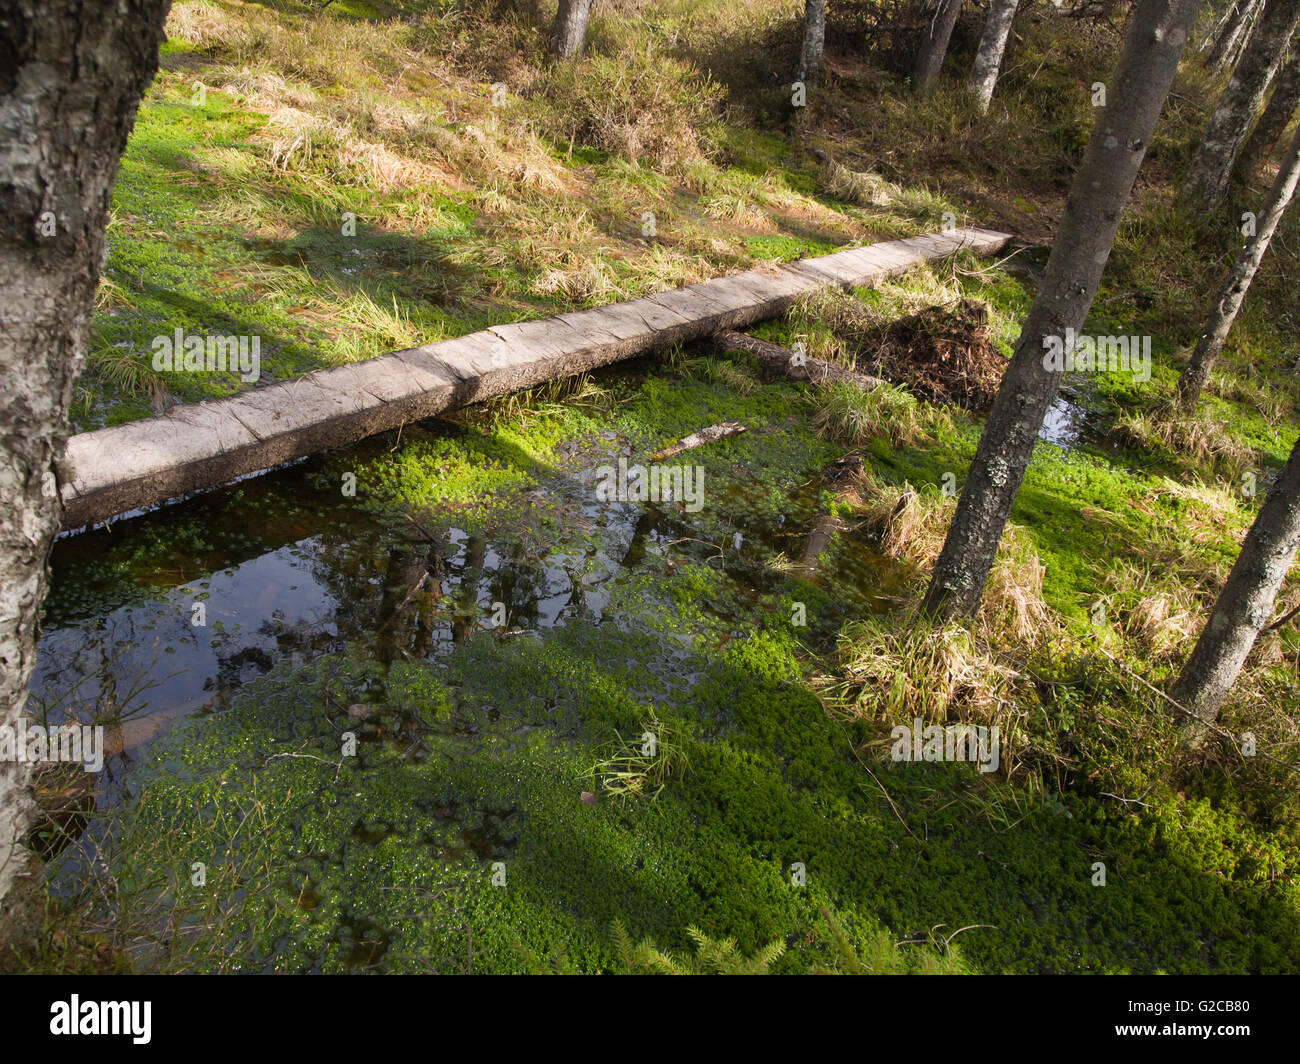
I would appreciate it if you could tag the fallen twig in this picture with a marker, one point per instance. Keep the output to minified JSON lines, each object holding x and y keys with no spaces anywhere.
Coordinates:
{"x":698,"y":439}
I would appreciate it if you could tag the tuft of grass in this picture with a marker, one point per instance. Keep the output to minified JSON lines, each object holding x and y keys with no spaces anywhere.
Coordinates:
{"x":894,"y":671}
{"x":643,"y":768}
{"x":730,"y":375}
{"x":865,"y":188}
{"x":848,"y":414}
{"x":1196,"y":438}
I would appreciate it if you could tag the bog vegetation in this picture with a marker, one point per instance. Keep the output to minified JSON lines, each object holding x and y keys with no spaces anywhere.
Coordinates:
{"x":349,"y":178}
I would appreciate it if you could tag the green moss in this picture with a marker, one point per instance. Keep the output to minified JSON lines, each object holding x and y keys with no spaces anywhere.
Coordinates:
{"x":387,"y":858}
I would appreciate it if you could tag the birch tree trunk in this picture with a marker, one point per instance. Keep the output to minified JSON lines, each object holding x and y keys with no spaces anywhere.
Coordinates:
{"x":813,"y":55}
{"x":71,"y":76}
{"x":1158,"y":32}
{"x":1245,"y":605}
{"x":1197,"y":370}
{"x":570,"y":34}
{"x":934,"y":46}
{"x":1211,"y":167}
{"x":993,"y":42}
{"x":1277,"y":116}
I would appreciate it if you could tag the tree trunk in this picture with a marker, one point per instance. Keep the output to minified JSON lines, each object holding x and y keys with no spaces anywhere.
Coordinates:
{"x":1233,"y":55}
{"x":1242,"y":17}
{"x":1277,"y":116}
{"x":1197,"y":370}
{"x":570,"y":36}
{"x":934,"y":46}
{"x":71,"y":76}
{"x":993,"y":42}
{"x":1211,"y":166}
{"x":1233,"y":10}
{"x":813,"y":54}
{"x":1157,"y":35}
{"x":1245,"y":605}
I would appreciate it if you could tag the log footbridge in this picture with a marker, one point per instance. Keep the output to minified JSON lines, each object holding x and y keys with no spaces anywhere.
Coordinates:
{"x":194,"y":446}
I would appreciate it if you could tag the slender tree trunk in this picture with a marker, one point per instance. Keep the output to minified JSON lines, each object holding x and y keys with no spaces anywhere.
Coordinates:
{"x":1234,"y":53}
{"x":1277,"y":116}
{"x":1245,"y":605}
{"x":934,"y":46}
{"x":1157,"y":34}
{"x":1211,"y":167}
{"x":993,"y":42}
{"x":813,"y":55}
{"x":1233,"y":10}
{"x":570,"y":35}
{"x":1232,"y":33}
{"x":1197,"y":370}
{"x":71,"y":76}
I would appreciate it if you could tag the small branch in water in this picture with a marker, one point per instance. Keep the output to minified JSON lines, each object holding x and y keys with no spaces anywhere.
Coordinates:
{"x":712,"y":434}
{"x":690,"y":539}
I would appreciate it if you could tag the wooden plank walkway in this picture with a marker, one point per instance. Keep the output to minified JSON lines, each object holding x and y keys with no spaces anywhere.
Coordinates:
{"x":202,"y":445}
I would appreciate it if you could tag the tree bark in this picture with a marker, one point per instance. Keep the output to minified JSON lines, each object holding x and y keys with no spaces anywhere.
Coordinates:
{"x":1245,"y":605}
{"x":1277,"y":116}
{"x":813,"y":55}
{"x":1233,"y":10}
{"x":71,"y":76}
{"x":723,"y":431}
{"x":1158,"y":32}
{"x":570,"y":35}
{"x":934,"y":46}
{"x":988,"y":57}
{"x":1211,"y":167}
{"x":1227,"y":40}
{"x":1197,"y":370}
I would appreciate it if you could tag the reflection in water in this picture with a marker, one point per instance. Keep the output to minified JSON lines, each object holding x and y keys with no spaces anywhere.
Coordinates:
{"x":286,"y":573}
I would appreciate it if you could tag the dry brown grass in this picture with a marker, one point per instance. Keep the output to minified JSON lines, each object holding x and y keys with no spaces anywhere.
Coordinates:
{"x":1164,"y":612}
{"x":898,"y":672}
{"x":912,"y":526}
{"x":1197,"y":438}
{"x":863,"y":188}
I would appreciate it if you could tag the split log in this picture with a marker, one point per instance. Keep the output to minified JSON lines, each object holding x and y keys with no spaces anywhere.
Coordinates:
{"x":712,"y":434}
{"x":777,"y":359}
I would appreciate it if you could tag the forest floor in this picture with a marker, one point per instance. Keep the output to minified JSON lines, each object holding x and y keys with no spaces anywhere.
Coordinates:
{"x":358,"y":179}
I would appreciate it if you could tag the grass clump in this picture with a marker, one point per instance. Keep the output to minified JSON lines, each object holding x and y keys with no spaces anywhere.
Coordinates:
{"x":642,"y":769}
{"x":1194,"y":439}
{"x":636,"y":104}
{"x":896,"y":672}
{"x":848,"y":414}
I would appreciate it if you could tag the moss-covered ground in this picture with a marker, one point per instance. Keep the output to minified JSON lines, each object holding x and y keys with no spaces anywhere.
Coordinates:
{"x":498,"y":641}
